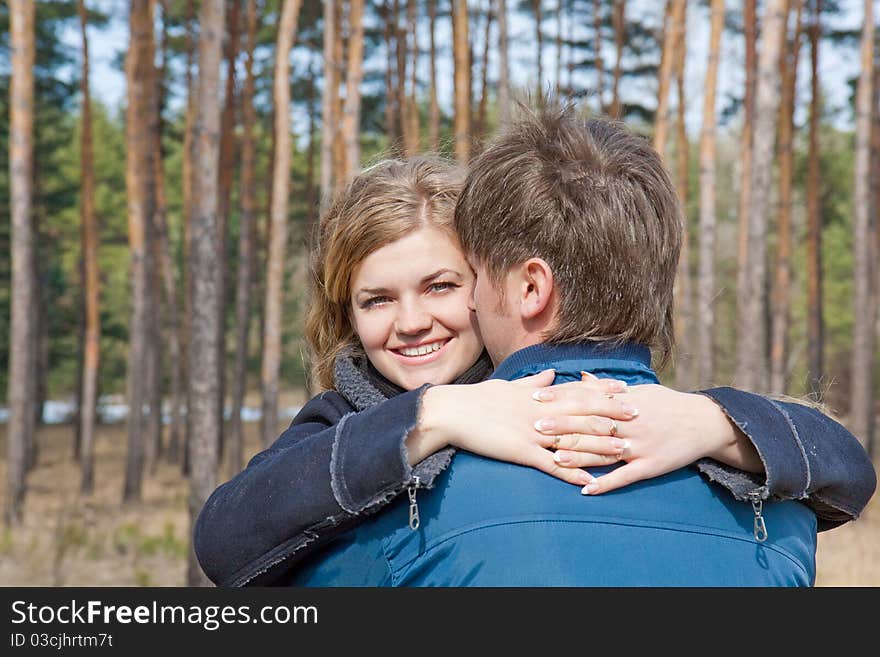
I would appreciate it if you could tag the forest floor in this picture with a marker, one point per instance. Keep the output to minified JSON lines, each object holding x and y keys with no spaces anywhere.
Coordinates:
{"x":68,"y":539}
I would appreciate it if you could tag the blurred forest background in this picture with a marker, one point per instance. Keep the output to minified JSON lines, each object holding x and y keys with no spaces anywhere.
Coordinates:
{"x":156,"y":249}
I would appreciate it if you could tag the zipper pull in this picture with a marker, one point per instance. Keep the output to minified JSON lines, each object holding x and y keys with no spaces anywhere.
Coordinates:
{"x":760,"y":530}
{"x":413,"y":505}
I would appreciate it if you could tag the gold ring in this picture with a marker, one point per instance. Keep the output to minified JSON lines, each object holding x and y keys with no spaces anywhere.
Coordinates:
{"x":555,"y":444}
{"x":613,"y":430}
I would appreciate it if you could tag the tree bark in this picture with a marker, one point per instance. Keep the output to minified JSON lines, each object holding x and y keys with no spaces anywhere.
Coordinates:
{"x":788,"y":63}
{"x":433,"y":105}
{"x":22,"y":284}
{"x":618,"y":20}
{"x":815,"y":323}
{"x":91,"y":355}
{"x":684,"y":307}
{"x":503,"y":66}
{"x":246,"y":244}
{"x":204,"y":410}
{"x":671,"y":22}
{"x":864,"y":246}
{"x":750,"y":31}
{"x":351,"y":112}
{"x":138,"y":163}
{"x":599,"y":60}
{"x":461,"y":82}
{"x":706,"y":287}
{"x":278,"y":219}
{"x":328,"y":118}
{"x":752,"y":331}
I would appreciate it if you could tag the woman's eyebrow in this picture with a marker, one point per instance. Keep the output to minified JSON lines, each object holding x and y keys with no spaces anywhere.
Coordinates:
{"x":438,"y":273}
{"x":372,"y":290}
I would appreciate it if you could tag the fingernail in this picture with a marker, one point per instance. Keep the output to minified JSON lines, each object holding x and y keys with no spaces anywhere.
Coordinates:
{"x":587,"y":478}
{"x":590,"y":488}
{"x":545,"y":424}
{"x":560,"y":457}
{"x":542,"y":395}
{"x":620,"y":442}
{"x":588,"y":376}
{"x":629,"y":410}
{"x":618,"y":386}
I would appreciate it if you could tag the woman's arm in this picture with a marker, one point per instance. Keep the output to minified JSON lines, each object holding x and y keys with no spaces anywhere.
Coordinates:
{"x":333,"y":466}
{"x":748,"y":443}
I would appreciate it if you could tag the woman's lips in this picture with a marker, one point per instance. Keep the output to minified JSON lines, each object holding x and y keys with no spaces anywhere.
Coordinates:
{"x":429,"y":357}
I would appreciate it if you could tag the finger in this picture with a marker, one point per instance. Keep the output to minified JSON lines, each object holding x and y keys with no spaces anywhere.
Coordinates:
{"x":583,"y":459}
{"x":582,"y":401}
{"x":540,"y":380}
{"x":605,"y":385}
{"x":622,"y":476}
{"x":596,"y":444}
{"x":542,"y":460}
{"x":591,"y":425}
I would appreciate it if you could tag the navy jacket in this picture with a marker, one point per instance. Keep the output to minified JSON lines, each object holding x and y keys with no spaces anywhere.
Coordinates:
{"x":490,"y":523}
{"x":343,"y":457}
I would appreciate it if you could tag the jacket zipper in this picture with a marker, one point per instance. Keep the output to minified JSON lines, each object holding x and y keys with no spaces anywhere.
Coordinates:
{"x":760,"y":529}
{"x":413,"y":505}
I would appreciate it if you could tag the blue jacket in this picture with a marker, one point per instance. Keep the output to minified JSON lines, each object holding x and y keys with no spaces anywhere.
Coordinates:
{"x":343,"y":458}
{"x":489,"y":523}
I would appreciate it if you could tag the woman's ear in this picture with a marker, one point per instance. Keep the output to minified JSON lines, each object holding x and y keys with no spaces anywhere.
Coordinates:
{"x":536,"y":287}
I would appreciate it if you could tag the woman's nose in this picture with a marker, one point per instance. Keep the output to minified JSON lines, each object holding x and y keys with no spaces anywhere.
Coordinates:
{"x":413,"y":318}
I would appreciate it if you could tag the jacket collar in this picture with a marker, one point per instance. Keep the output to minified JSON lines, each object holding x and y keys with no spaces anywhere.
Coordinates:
{"x":628,"y":362}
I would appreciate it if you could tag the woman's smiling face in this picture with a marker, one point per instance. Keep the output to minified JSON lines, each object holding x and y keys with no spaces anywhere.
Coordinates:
{"x":409,"y":307}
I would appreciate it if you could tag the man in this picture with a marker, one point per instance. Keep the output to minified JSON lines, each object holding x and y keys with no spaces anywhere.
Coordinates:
{"x":573,"y":228}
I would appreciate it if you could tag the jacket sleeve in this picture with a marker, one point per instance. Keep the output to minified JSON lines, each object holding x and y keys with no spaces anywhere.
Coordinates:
{"x":807,"y":456}
{"x":330,"y":466}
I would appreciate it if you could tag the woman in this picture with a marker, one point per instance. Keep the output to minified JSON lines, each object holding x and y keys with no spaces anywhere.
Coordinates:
{"x":391,"y":330}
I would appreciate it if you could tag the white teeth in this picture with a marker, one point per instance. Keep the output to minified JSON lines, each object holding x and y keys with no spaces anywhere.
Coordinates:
{"x":422,"y":350}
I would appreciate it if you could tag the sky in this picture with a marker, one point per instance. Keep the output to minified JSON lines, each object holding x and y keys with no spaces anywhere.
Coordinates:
{"x":837,"y":65}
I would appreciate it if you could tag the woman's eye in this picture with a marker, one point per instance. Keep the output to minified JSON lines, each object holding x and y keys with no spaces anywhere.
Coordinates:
{"x":373,"y":301}
{"x":442,"y":286}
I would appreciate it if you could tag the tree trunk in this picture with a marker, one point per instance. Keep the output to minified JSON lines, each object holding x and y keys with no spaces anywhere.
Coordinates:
{"x":864,"y":247}
{"x":503,"y":66}
{"x":246,"y":244}
{"x":339,"y":175}
{"x":480,"y":130}
{"x":138,"y":163}
{"x":706,"y":287}
{"x":389,"y":30}
{"x":168,"y":283}
{"x":278,"y":219}
{"x":815,"y":324}
{"x":204,"y":410}
{"x":752,"y":331}
{"x":328,"y":125}
{"x":750,"y":32}
{"x":228,"y":160}
{"x":539,"y":52}
{"x":22,"y":284}
{"x":187,"y":172}
{"x":461,"y":81}
{"x":91,"y":360}
{"x":599,"y":61}
{"x":671,"y":23}
{"x":433,"y":105}
{"x":412,"y":108}
{"x":618,"y":20}
{"x":684,"y":364}
{"x":351,"y":112}
{"x":788,"y":63}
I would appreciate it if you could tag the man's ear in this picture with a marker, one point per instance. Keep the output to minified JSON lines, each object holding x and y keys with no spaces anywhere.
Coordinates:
{"x":536,"y":287}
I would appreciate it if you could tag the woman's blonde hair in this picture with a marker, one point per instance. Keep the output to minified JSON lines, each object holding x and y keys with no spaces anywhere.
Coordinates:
{"x":384,"y":203}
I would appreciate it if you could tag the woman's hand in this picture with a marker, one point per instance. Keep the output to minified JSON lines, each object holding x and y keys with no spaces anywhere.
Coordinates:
{"x":673,"y":429}
{"x":500,"y":419}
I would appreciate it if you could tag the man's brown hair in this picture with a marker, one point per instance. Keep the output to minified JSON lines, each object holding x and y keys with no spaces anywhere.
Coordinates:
{"x":592,"y":199}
